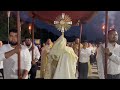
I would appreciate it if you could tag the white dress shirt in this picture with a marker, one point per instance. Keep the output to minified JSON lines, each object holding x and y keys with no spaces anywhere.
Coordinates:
{"x":85,"y":55}
{"x":113,"y":63}
{"x":11,"y":64}
{"x":36,"y":53}
{"x":1,"y":64}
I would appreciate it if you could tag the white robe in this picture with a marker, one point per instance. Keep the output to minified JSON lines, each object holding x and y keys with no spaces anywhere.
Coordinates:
{"x":66,"y":68}
{"x":66,"y":58}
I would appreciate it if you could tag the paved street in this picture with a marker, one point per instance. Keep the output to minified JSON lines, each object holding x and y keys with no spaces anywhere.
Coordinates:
{"x":1,"y":76}
{"x":94,"y":74}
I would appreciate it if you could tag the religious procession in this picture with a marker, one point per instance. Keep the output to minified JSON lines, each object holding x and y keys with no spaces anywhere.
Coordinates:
{"x":59,"y":45}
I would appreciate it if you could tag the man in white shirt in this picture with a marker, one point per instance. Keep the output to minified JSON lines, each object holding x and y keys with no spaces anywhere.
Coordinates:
{"x":8,"y":54}
{"x":113,"y":54}
{"x":83,"y":61}
{"x":1,"y":62}
{"x":36,"y":57}
{"x":1,"y":68}
{"x":93,"y":54}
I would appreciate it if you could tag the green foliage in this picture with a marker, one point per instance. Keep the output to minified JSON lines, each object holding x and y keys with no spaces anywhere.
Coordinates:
{"x":25,"y":31}
{"x":4,"y":25}
{"x":13,"y":24}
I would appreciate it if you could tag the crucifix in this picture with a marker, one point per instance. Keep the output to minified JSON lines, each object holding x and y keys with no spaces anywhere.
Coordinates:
{"x":63,"y":23}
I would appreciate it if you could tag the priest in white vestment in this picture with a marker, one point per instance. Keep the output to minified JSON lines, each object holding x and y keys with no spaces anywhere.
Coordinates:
{"x":63,"y":60}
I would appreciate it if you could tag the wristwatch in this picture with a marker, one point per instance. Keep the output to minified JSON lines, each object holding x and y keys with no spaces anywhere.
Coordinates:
{"x":110,"y":53}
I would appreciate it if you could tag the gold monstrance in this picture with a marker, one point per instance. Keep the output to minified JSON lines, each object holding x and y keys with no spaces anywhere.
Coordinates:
{"x":63,"y":23}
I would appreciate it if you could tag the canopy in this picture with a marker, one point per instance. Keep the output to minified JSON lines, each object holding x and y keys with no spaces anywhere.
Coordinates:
{"x":50,"y":16}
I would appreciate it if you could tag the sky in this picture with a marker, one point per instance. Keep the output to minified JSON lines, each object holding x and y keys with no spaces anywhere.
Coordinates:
{"x":92,"y":29}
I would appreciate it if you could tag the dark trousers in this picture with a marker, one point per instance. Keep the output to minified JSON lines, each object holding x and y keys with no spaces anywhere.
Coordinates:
{"x":1,"y":71}
{"x":109,"y":76}
{"x":83,"y":70}
{"x":33,"y":71}
{"x":92,"y":59}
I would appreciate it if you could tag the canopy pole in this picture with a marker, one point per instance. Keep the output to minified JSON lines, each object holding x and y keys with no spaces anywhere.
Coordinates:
{"x":33,"y":38}
{"x":8,"y":14}
{"x":19,"y":39}
{"x":106,"y":42}
{"x":79,"y":49}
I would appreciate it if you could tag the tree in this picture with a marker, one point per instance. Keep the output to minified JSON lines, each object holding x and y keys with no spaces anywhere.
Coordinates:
{"x":25,"y":30}
{"x":4,"y":25}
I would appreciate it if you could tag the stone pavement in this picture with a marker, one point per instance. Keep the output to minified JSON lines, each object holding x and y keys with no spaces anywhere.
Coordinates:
{"x":94,"y":74}
{"x":1,"y":76}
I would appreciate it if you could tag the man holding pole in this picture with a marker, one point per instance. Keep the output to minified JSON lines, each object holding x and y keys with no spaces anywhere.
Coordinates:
{"x":113,"y":55}
{"x":9,"y":56}
{"x":36,"y":56}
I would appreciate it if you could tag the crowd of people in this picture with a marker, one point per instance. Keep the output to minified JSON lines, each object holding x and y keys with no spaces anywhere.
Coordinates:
{"x":59,"y":59}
